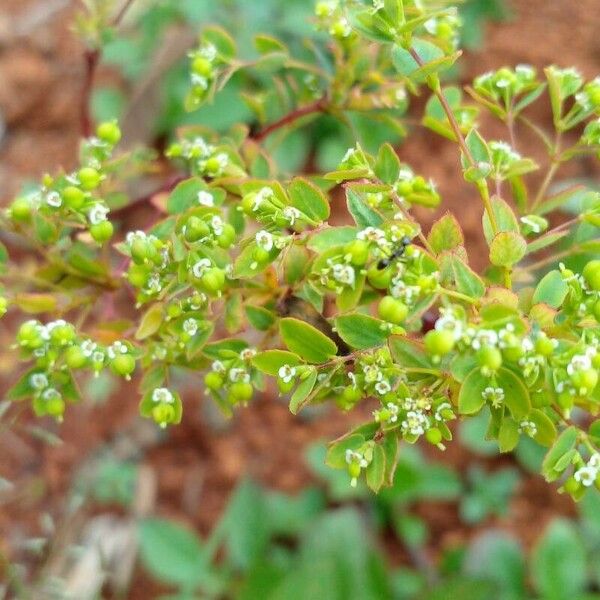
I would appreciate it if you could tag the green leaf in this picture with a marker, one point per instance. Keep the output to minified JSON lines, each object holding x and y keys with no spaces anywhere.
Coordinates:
{"x":559,"y":562}
{"x":151,"y":322}
{"x":363,"y":215}
{"x":551,"y":290}
{"x":465,"y":279}
{"x":309,"y":199}
{"x":361,"y":331}
{"x":408,"y":353}
{"x":478,"y":148}
{"x":306,"y":341}
{"x":171,"y":553}
{"x":387,"y":165}
{"x":260,"y":318}
{"x":564,"y":444}
{"x":222,"y":41}
{"x":376,"y":469}
{"x":331,"y":237}
{"x":508,"y":435}
{"x":470,"y":397}
{"x":303,"y":391}
{"x":185,"y":195}
{"x":336,"y":451}
{"x":406,"y":65}
{"x":507,"y":249}
{"x":35,"y":303}
{"x":546,"y":430}
{"x":270,"y":361}
{"x":445,"y":234}
{"x":266,"y":44}
{"x":505,"y":219}
{"x":516,"y":395}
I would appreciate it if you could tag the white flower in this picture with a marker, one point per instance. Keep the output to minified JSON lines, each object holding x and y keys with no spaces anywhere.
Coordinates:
{"x":217,"y":224}
{"x":394,"y":410}
{"x":485,"y":337}
{"x":98,"y":356}
{"x":217,"y":366}
{"x":442,"y":407}
{"x":344,"y":274}
{"x":371,"y":234}
{"x":415,"y":423}
{"x":205,"y":198}
{"x":263,"y":194}
{"x":154,"y":285}
{"x":38,"y":381}
{"x":580,"y":362}
{"x":97,"y":213}
{"x":199,"y":81}
{"x":117,"y":347}
{"x":291,"y":213}
{"x":162,"y":395}
{"x":53,"y":199}
{"x":264,"y":240}
{"x":449,"y":322}
{"x":190,"y":326}
{"x":200,"y":267}
{"x":239,"y":374}
{"x":208,"y":51}
{"x":344,"y":26}
{"x":223,"y":161}
{"x":287,"y":373}
{"x":349,"y":154}
{"x":88,"y":347}
{"x":247,"y":353}
{"x":528,"y":427}
{"x":372,"y":373}
{"x":586,"y":475}
{"x":382,"y":387}
{"x":493,"y":395}
{"x":51,"y":394}
{"x":357,"y":457}
{"x":594,"y":461}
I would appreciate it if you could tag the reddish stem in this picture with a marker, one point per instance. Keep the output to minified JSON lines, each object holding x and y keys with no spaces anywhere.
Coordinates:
{"x":92,"y":58}
{"x":319,"y":105}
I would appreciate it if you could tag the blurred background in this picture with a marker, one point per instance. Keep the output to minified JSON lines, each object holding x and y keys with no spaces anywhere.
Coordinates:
{"x":107,"y":506}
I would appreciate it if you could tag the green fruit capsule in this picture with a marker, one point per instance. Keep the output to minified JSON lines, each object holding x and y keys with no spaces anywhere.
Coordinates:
{"x":433,"y":436}
{"x":73,"y":197}
{"x":438,"y":343}
{"x":89,"y":178}
{"x":75,"y":358}
{"x":202,"y":66}
{"x":358,"y":251}
{"x":213,"y":280}
{"x":196,"y":229}
{"x":213,"y":381}
{"x":137,"y":275}
{"x":354,"y":470}
{"x":20,"y":210}
{"x":240,"y":392}
{"x":392,"y":310}
{"x":380,"y":279}
{"x":123,"y":364}
{"x":29,"y":335}
{"x":102,"y":232}
{"x":596,"y":311}
{"x":212,"y":166}
{"x":55,"y":407}
{"x":163,"y":414}
{"x":350,"y":396}
{"x":285,"y":386}
{"x":109,"y":132}
{"x":225,"y":240}
{"x":63,"y":335}
{"x":544,"y":345}
{"x":591,"y":274}
{"x":585,"y":381}
{"x":489,"y":358}
{"x":571,"y":485}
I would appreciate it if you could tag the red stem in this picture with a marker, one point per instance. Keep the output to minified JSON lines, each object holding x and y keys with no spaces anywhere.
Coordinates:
{"x":92,"y":58}
{"x":319,"y":105}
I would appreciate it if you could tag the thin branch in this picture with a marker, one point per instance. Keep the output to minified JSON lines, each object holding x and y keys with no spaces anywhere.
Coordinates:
{"x":92,"y":58}
{"x":121,"y":14}
{"x":318,"y":106}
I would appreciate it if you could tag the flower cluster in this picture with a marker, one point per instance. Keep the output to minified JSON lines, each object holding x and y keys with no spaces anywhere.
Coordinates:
{"x":72,"y":200}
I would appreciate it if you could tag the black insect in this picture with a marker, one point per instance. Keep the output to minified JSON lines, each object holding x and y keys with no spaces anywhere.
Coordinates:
{"x":397,"y":253}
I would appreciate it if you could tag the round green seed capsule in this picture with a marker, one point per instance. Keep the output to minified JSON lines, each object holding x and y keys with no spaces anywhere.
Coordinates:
{"x":20,"y":210}
{"x":591,"y":274}
{"x":392,"y":310}
{"x":123,"y":364}
{"x":213,"y":280}
{"x":102,"y":232}
{"x":489,"y":358}
{"x":240,"y":392}
{"x":213,"y":381}
{"x":75,"y":358}
{"x":433,"y":436}
{"x":109,"y":132}
{"x":202,"y":66}
{"x":89,"y":178}
{"x":73,"y":197}
{"x":358,"y":251}
{"x":438,"y":343}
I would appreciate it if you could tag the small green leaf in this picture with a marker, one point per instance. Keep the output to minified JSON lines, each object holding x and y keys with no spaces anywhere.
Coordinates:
{"x":505,"y":219}
{"x":222,"y":41}
{"x":270,"y":361}
{"x":151,"y":322}
{"x":445,"y":234}
{"x":408,"y":353}
{"x":516,"y":395}
{"x":376,"y":469}
{"x":306,"y":341}
{"x":508,"y":435}
{"x":470,"y":397}
{"x":363,"y":215}
{"x":545,"y":429}
{"x":185,"y":195}
{"x":35,"y":303}
{"x":309,"y":199}
{"x":563,"y":445}
{"x":465,"y":279}
{"x":551,"y":290}
{"x":260,"y":318}
{"x":361,"y":331}
{"x":331,"y":237}
{"x":387,"y":165}
{"x":507,"y":249}
{"x":303,"y":391}
{"x":404,"y":62}
{"x":336,"y":452}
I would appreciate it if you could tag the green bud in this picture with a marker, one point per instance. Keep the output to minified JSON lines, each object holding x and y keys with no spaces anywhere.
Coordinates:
{"x":196,"y":229}
{"x":213,"y":280}
{"x":226,"y":239}
{"x":202,"y":66}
